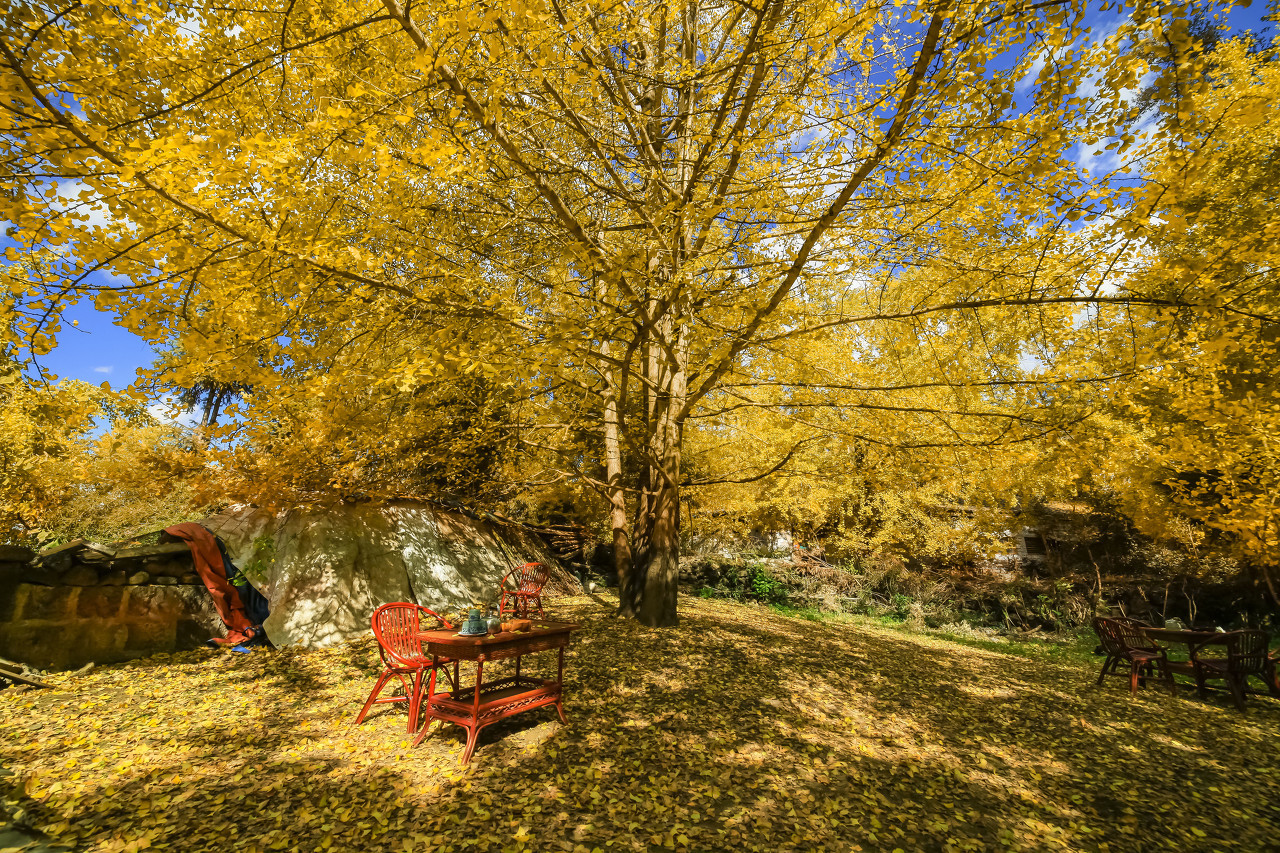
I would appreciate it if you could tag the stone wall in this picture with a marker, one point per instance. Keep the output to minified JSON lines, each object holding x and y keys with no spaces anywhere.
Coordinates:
{"x":84,"y":603}
{"x":65,"y":627}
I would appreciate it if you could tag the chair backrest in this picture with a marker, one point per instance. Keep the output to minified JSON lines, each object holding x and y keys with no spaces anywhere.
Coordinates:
{"x":527,"y":578}
{"x":1119,"y":637}
{"x":1108,"y":631}
{"x":396,"y":626}
{"x":1133,"y":638}
{"x":1247,"y":651}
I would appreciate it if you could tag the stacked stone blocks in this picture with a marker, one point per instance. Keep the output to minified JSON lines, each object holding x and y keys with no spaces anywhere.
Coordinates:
{"x":81,"y":603}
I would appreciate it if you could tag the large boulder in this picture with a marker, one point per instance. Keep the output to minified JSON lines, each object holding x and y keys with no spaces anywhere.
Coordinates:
{"x":325,"y":570}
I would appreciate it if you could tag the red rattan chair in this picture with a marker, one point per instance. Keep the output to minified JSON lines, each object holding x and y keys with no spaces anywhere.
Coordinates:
{"x":1246,"y":655}
{"x":395,"y":626}
{"x":520,"y":591}
{"x":1124,"y":642}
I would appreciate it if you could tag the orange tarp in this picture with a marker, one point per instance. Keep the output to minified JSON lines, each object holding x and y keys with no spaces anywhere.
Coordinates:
{"x":208,"y":564}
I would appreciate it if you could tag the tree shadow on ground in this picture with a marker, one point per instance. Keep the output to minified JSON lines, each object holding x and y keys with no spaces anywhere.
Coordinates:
{"x":741,"y":728}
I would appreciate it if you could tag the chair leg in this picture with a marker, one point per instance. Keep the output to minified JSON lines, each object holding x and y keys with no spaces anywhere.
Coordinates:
{"x":1134,"y":669}
{"x":1236,"y":685}
{"x":427,"y":732}
{"x":1273,"y":683}
{"x":377,"y":688}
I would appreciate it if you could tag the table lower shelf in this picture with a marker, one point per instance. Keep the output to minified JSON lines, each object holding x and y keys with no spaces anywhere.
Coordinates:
{"x":498,"y":699}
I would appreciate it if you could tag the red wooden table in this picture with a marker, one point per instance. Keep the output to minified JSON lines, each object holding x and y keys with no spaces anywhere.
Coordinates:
{"x":481,"y":705}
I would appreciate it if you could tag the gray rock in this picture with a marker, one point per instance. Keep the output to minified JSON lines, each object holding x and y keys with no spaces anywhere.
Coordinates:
{"x":80,"y":576}
{"x":329,"y":569}
{"x":249,"y":534}
{"x":116,"y":578}
{"x":139,"y":578}
{"x":166,"y":580}
{"x":190,"y":578}
{"x":170,"y":568}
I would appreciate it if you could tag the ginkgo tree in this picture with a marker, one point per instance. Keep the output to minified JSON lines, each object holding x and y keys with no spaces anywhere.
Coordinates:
{"x":1192,"y":433}
{"x":616,"y":211}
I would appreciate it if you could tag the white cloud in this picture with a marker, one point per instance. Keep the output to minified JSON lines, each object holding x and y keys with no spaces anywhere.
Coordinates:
{"x":167,"y":412}
{"x":79,"y":197}
{"x":106,"y":368}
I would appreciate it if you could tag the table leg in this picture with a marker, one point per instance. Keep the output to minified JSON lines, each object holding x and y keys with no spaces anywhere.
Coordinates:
{"x":415,"y":701}
{"x":431,"y":691}
{"x":473,"y":734}
{"x":473,"y":730}
{"x":560,"y":689}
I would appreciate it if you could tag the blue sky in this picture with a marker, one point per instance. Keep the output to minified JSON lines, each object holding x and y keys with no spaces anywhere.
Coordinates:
{"x":97,"y":350}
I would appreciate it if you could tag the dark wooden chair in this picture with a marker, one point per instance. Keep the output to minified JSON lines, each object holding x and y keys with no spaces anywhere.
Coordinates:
{"x":1247,"y":655}
{"x":395,"y":627}
{"x":520,"y":591}
{"x":1124,"y":642}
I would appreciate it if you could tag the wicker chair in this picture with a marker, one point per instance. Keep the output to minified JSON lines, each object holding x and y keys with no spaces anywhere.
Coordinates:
{"x":520,"y":591}
{"x":395,"y":627}
{"x":1123,"y":641}
{"x":1247,"y":654}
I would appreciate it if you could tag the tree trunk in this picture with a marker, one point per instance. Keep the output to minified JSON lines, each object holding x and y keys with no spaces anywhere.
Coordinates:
{"x":662,"y":557}
{"x":1269,"y":584}
{"x":622,"y":561}
{"x":657,"y":583}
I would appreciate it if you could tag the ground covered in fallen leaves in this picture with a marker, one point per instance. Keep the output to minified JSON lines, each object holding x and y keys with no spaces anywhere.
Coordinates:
{"x":741,"y":729}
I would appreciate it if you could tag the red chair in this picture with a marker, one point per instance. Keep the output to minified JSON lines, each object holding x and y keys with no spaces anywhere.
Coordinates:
{"x":521,"y":590}
{"x":1247,"y":654}
{"x":395,"y":626}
